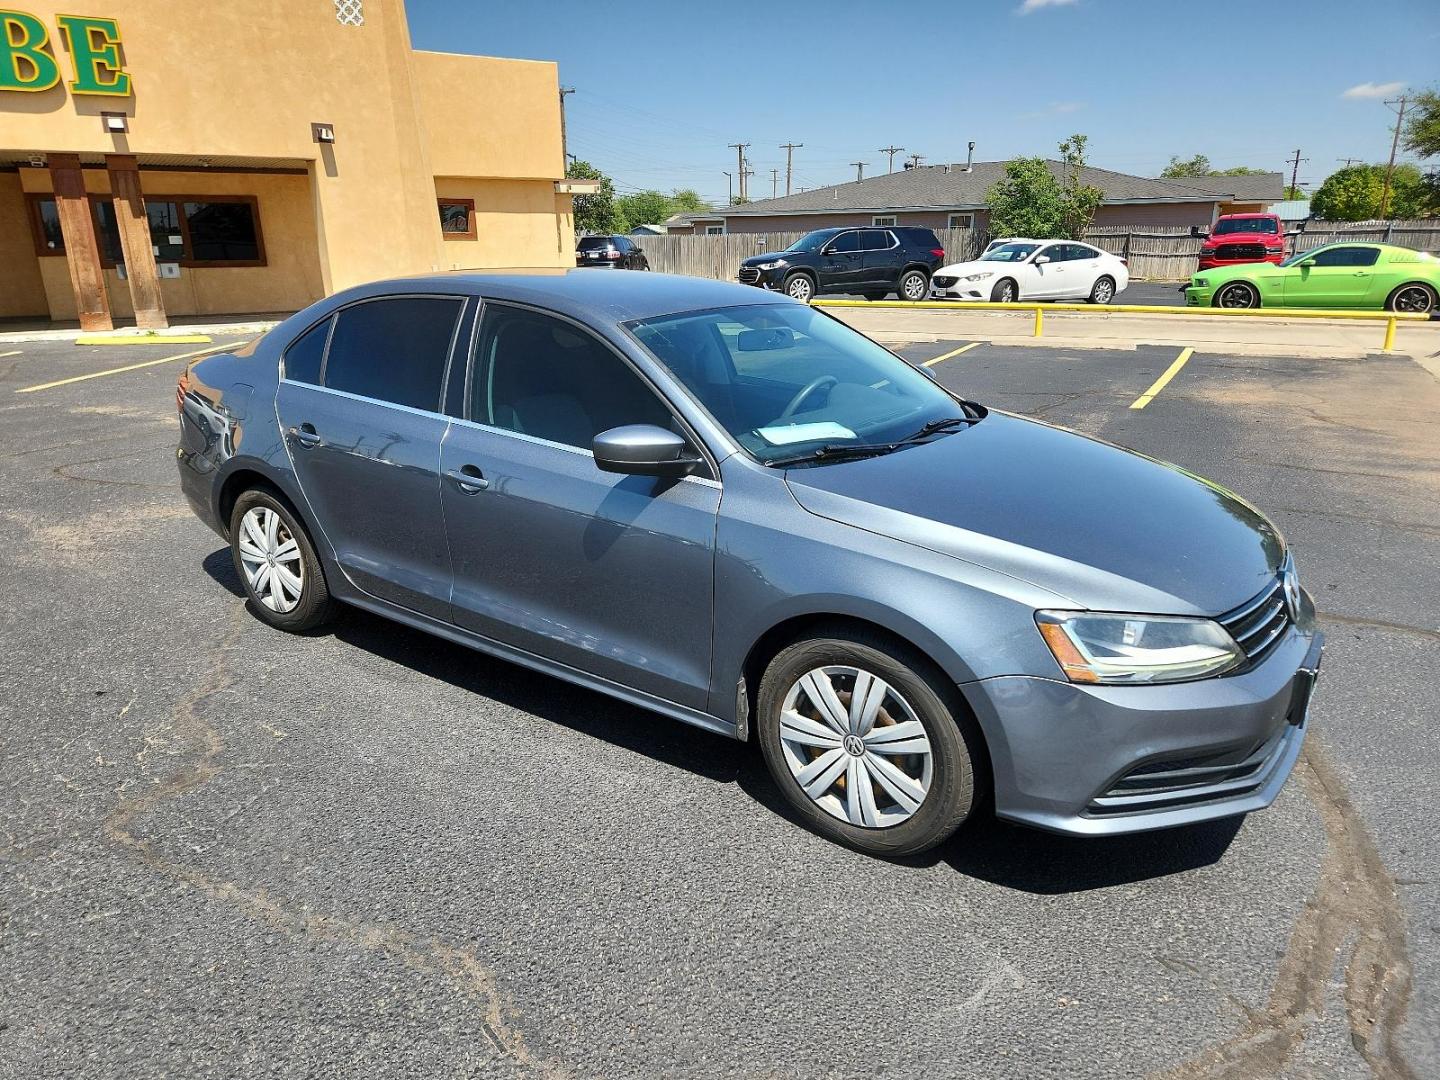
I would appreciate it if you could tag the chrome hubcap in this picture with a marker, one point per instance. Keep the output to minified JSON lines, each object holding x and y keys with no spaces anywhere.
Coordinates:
{"x":270,"y":558}
{"x":855,"y":746}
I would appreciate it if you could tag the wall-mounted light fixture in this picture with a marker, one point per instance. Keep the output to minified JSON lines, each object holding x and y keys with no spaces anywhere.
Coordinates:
{"x":114,"y":123}
{"x":322,"y":133}
{"x":37,"y":161}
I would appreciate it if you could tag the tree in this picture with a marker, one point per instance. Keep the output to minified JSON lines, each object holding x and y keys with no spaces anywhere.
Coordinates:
{"x":643,"y":208}
{"x":686,"y":201}
{"x":1199,"y":165}
{"x":1354,"y":194}
{"x":1079,"y":200}
{"x":594,"y":213}
{"x":1422,"y":130}
{"x":1032,"y":201}
{"x":1294,"y":193}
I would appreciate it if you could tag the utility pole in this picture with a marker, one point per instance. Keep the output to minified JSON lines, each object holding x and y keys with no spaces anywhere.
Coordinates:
{"x":1348,"y":161}
{"x":915,"y":160}
{"x":774,"y":182}
{"x":789,"y":148}
{"x":564,"y":143}
{"x":740,"y":149}
{"x":859,"y":170}
{"x":1394,"y":145}
{"x":892,"y":151}
{"x":729,"y":189}
{"x":1294,"y":164}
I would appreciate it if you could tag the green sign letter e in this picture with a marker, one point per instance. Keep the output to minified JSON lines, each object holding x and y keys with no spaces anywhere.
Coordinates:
{"x":94,"y":46}
{"x":25,"y":63}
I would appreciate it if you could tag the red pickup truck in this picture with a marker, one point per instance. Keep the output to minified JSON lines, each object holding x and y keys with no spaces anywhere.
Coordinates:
{"x":1241,"y":238}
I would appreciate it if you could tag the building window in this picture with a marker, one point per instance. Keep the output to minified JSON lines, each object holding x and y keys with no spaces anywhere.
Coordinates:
{"x":210,"y":230}
{"x":457,"y":219}
{"x":883,"y":220}
{"x":714,"y":230}
{"x":962,"y":221}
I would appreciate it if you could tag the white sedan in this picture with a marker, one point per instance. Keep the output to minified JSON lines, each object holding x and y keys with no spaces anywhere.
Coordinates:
{"x":1034,"y":270}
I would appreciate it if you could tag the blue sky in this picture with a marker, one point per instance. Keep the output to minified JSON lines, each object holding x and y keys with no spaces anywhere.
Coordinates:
{"x":661,"y":88}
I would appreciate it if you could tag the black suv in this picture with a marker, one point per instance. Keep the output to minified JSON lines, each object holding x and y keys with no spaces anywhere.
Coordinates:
{"x":618,"y":251}
{"x":873,"y":262}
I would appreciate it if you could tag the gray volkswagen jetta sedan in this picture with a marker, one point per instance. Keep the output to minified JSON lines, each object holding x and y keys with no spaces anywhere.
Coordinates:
{"x":730,"y":508}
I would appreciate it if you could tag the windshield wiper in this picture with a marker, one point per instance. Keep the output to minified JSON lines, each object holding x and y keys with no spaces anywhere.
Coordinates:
{"x":837,"y":451}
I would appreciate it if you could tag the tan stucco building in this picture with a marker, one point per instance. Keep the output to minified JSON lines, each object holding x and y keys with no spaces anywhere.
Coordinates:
{"x":161,"y":159}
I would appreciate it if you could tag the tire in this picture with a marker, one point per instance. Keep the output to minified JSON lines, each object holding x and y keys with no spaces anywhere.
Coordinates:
{"x":914,"y":285}
{"x":1236,"y":294}
{"x":799,"y":287}
{"x":272,"y":598}
{"x":944,"y":771}
{"x":876,"y":295}
{"x":1414,"y":296}
{"x":1103,"y":291}
{"x":1005,"y":292}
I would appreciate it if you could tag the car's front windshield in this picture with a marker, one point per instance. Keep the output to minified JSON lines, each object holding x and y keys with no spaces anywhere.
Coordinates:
{"x":785,"y":379}
{"x":1245,"y":225}
{"x":812,"y":242}
{"x":1010,"y":253}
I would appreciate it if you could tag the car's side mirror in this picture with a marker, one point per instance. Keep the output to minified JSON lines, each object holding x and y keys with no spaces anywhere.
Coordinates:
{"x":1198,"y":233}
{"x":827,"y":250}
{"x":643,"y":450}
{"x":1041,"y":259}
{"x":1306,"y":262}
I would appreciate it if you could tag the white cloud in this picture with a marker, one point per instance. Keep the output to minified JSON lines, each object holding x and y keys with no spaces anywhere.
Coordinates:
{"x":1035,"y":5}
{"x":1374,"y":90}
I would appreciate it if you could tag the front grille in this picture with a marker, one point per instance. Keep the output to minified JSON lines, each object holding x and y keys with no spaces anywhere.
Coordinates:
{"x":944,"y":280}
{"x":1240,"y":251}
{"x":749,"y":275}
{"x":1258,"y":624}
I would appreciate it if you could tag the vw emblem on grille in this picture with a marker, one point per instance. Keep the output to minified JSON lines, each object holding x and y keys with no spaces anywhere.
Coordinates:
{"x":1290,"y":584}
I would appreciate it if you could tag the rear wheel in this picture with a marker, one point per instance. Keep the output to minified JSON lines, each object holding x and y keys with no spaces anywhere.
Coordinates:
{"x":1237,"y":294}
{"x":1004,"y":292}
{"x":1103,"y":291}
{"x":800,"y":287}
{"x":277,"y":563}
{"x":1415,"y":298}
{"x":913,"y":285}
{"x":863,"y":742}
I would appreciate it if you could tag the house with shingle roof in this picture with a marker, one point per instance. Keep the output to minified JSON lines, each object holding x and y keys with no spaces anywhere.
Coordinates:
{"x":954,"y":196}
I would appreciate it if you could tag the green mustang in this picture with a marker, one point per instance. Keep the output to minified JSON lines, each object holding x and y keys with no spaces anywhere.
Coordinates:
{"x":1333,"y":276}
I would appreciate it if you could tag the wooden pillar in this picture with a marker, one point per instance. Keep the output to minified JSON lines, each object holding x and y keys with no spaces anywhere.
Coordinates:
{"x":135,"y":242}
{"x":82,"y":250}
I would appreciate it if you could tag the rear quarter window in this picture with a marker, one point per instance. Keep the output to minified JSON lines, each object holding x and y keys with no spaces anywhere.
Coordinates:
{"x":306,"y":353}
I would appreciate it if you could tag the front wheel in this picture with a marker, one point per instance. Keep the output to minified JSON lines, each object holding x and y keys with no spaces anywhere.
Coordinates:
{"x":277,"y":563}
{"x":1004,"y":292}
{"x":800,"y":287}
{"x":1414,"y":298}
{"x":913,"y":285}
{"x":865,"y":745}
{"x":1237,"y":294}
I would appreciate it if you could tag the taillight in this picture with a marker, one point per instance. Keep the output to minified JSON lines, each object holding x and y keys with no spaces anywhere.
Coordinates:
{"x":182,"y":387}
{"x":939,"y":253}
{"x":1124,"y":261}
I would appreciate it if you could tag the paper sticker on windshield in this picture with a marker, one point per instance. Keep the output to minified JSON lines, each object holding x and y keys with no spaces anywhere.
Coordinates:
{"x":793,"y":433}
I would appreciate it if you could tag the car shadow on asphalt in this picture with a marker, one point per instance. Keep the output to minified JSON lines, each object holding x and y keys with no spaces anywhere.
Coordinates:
{"x":1008,"y":856}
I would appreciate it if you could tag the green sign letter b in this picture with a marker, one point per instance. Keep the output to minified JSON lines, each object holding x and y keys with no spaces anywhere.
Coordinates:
{"x":25,"y":63}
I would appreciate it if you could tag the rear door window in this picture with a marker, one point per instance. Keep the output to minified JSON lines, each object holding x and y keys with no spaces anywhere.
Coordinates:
{"x":306,"y":353}
{"x":874,"y":240}
{"x":394,"y":349}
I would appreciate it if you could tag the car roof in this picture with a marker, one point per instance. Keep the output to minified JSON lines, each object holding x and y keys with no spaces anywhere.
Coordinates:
{"x":594,"y":294}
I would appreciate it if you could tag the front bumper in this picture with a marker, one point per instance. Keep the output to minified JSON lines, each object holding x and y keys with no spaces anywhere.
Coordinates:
{"x":962,"y":290}
{"x":1107,"y":760}
{"x":1196,"y":296}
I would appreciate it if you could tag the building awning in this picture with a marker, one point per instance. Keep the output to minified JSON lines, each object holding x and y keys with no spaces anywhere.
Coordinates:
{"x":11,"y":159}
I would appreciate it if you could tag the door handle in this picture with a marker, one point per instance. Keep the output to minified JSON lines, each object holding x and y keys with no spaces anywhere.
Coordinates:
{"x":469,"y":479}
{"x":305,"y":435}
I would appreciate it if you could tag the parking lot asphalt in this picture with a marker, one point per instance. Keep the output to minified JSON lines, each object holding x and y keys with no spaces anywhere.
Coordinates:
{"x":365,"y":852}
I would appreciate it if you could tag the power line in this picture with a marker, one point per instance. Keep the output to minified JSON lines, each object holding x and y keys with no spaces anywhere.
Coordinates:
{"x":789,"y":148}
{"x":892,"y":151}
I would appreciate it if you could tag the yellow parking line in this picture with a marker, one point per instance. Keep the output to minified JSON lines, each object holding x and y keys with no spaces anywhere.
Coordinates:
{"x":1163,"y":381}
{"x":12,"y":352}
{"x":127,"y":367}
{"x":948,"y":355}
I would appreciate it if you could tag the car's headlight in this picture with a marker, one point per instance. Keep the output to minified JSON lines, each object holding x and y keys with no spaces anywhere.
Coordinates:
{"x":773,"y":264}
{"x":1201,"y":283}
{"x":980,"y":276}
{"x":1093,"y":647}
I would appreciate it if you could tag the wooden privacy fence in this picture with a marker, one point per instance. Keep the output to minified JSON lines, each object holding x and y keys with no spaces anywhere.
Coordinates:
{"x":1156,"y":252}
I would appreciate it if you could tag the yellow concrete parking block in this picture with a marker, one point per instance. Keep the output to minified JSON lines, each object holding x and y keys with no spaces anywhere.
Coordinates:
{"x":142,"y":339}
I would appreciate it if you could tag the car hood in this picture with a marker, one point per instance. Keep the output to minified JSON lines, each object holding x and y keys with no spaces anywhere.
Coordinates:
{"x":961,"y":269}
{"x":767,"y":256}
{"x":1268,"y":238}
{"x":1104,"y":527}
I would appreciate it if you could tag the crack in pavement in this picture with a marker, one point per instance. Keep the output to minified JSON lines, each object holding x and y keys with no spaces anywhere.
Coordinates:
{"x":1378,"y":624}
{"x":1354,"y":903}
{"x":204,"y":745}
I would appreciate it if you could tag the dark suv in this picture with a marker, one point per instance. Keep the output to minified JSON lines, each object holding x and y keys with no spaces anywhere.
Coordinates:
{"x":619,"y":252}
{"x":873,"y":262}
